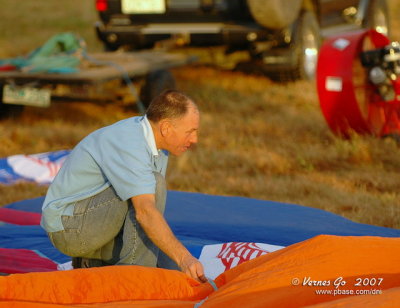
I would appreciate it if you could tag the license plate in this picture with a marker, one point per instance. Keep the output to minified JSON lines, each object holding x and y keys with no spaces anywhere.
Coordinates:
{"x":143,"y":6}
{"x":26,"y":96}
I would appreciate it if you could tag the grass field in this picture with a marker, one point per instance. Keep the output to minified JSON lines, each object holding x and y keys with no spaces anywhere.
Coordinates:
{"x":258,"y":138}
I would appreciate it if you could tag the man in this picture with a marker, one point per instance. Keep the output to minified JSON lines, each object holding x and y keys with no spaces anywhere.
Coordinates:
{"x":106,"y":204}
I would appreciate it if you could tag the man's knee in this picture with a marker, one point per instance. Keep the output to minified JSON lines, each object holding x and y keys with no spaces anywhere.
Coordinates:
{"x":69,"y":243}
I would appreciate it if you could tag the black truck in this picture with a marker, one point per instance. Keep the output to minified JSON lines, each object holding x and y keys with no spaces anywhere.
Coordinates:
{"x":282,"y":36}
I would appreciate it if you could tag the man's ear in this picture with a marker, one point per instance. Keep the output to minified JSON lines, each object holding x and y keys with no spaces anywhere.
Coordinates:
{"x":165,"y":127}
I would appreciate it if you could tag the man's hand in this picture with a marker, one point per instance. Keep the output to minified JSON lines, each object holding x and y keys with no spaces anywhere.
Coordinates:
{"x":193,"y":268}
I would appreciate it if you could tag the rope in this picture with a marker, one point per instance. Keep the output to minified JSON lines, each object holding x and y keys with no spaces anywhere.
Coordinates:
{"x":125,"y":77}
{"x":212,"y":283}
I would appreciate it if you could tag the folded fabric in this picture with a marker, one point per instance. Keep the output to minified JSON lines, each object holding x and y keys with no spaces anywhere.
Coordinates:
{"x":325,"y":271}
{"x":60,"y":54}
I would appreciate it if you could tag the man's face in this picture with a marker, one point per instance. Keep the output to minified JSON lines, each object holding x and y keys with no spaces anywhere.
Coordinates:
{"x":183,"y":132}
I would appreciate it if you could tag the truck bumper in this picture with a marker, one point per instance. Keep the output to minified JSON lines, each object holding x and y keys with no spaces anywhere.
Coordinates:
{"x":195,"y":34}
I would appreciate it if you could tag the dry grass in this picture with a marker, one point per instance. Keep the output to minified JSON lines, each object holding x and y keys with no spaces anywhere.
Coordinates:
{"x":258,"y":138}
{"x":265,"y":140}
{"x":26,"y":25}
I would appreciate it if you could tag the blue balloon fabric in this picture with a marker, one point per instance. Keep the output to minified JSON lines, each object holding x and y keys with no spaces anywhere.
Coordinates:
{"x":200,"y":219}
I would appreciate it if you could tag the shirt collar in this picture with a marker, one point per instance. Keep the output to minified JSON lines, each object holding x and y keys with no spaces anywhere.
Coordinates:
{"x":149,"y":135}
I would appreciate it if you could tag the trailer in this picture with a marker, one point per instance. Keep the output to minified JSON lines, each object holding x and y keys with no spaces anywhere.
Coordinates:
{"x":151,"y":68}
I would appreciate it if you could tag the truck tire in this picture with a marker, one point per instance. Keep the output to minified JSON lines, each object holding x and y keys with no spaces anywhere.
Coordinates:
{"x":299,"y":59}
{"x":274,"y":14}
{"x":7,"y":110}
{"x":10,"y":111}
{"x":155,"y":83}
{"x":377,"y":17}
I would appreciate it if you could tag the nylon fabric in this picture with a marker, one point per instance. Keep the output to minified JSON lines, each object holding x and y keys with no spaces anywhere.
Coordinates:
{"x":267,"y":281}
{"x":60,"y":54}
{"x":212,"y":283}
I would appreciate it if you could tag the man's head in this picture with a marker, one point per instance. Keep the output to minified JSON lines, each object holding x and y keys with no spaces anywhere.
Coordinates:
{"x":175,"y":119}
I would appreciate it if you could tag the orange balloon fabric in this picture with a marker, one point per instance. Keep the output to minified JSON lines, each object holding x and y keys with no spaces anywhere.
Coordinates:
{"x":325,"y":271}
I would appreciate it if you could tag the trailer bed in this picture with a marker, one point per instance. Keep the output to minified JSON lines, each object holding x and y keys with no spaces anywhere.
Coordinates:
{"x":19,"y":88}
{"x":103,"y":67}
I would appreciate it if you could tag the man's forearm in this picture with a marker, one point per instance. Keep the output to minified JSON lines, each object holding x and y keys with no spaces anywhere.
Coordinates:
{"x":157,"y":229}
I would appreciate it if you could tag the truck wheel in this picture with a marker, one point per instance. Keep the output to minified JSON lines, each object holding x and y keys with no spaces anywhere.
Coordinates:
{"x":155,"y":83}
{"x":377,"y":17}
{"x":10,"y":111}
{"x":7,"y":110}
{"x":109,"y":47}
{"x":299,"y":59}
{"x":274,"y":14}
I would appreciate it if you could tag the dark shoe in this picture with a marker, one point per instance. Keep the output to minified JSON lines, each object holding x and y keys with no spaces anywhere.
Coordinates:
{"x":78,"y":262}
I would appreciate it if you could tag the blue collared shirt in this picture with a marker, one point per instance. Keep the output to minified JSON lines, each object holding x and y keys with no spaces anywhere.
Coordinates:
{"x":123,"y":155}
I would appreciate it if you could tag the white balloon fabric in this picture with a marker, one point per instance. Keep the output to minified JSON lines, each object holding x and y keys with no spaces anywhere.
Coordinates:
{"x":40,"y":168}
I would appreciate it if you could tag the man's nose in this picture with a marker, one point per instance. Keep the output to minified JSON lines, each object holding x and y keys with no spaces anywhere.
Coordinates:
{"x":194,"y":138}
